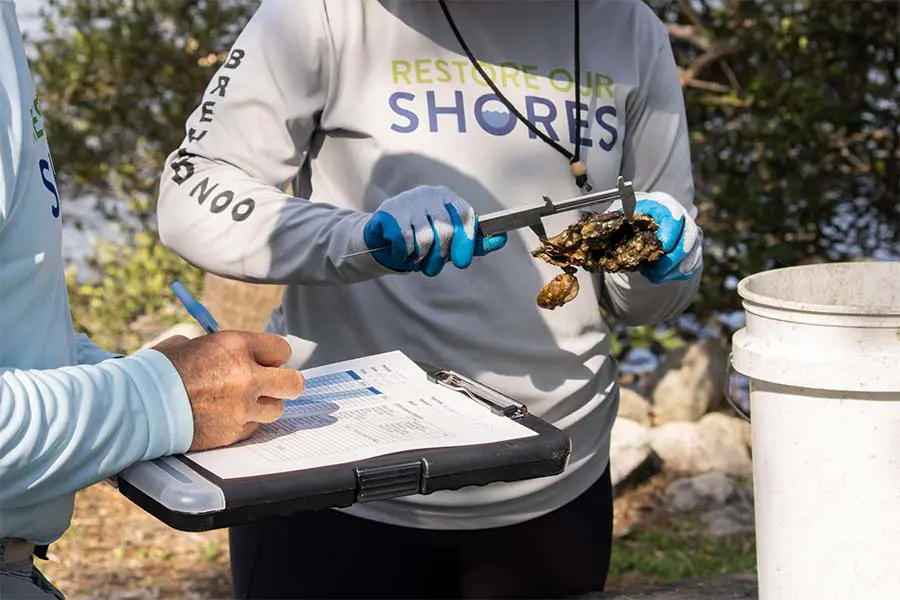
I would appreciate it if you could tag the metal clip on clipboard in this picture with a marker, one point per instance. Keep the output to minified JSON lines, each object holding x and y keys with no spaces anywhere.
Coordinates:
{"x":499,"y":404}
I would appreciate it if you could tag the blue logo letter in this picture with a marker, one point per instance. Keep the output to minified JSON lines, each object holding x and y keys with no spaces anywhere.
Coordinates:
{"x":608,"y":127}
{"x":46,"y":167}
{"x":413,"y":123}
{"x":493,"y":116}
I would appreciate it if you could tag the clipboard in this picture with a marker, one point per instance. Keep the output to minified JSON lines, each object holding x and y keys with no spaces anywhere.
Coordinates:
{"x":186,"y":496}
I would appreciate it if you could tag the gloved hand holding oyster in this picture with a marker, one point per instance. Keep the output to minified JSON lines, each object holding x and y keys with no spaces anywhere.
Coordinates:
{"x":662,"y":242}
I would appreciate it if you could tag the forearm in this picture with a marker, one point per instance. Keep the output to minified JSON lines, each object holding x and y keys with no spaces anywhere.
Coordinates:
{"x":221,"y":205}
{"x":65,"y":429}
{"x":262,"y":234}
{"x":636,"y":301}
{"x":657,"y":158}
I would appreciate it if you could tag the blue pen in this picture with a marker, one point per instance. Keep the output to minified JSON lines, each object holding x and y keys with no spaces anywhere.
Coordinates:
{"x":209,"y":324}
{"x":197,"y":310}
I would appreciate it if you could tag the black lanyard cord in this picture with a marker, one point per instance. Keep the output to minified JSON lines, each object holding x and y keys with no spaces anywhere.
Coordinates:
{"x":577,"y":55}
{"x":578,"y":169}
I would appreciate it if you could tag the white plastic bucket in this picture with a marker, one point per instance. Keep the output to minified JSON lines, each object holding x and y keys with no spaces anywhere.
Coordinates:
{"x":821,"y":347}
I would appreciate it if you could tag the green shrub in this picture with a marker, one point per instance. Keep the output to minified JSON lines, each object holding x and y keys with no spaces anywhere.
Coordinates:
{"x":128,"y":297}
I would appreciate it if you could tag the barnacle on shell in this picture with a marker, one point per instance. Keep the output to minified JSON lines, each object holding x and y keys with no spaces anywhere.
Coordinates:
{"x":606,"y":241}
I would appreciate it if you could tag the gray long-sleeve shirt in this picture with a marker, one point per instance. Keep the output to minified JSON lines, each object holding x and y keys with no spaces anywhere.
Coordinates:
{"x":367,"y":99}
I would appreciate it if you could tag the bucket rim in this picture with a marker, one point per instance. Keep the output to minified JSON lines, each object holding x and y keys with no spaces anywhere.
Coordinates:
{"x":835,"y":309}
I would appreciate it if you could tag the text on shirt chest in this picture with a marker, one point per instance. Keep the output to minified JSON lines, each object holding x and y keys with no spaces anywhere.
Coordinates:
{"x":444,"y":96}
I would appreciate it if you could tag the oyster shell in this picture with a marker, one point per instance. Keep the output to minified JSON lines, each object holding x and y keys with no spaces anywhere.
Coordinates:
{"x":606,"y":241}
{"x":561,"y":289}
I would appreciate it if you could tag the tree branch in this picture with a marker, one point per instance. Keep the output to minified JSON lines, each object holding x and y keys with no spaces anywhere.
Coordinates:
{"x":729,"y":73}
{"x":689,"y":33}
{"x":688,"y":10}
{"x":720,"y":100}
{"x":712,"y":55}
{"x":710,"y":86}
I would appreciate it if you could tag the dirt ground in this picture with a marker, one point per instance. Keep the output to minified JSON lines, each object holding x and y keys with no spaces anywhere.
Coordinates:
{"x":115,"y":550}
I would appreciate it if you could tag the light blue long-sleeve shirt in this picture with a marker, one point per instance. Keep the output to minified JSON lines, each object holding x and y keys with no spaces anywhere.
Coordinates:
{"x":71,"y":414}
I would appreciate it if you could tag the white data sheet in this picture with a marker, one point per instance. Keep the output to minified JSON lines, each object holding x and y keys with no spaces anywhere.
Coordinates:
{"x":361,"y":409}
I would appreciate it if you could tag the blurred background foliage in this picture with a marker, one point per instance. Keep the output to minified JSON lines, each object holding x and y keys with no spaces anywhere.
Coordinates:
{"x":132,"y":282}
{"x":792,"y":106}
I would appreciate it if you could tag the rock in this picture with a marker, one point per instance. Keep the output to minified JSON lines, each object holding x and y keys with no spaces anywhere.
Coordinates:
{"x":633,"y":406}
{"x":694,"y":448}
{"x":730,"y":520}
{"x":726,"y":505}
{"x":705,"y":492}
{"x":188,"y":330}
{"x":692,"y":382}
{"x":728,"y":427}
{"x":631,"y":460}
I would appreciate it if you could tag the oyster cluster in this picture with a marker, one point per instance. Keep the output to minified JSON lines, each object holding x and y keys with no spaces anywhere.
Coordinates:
{"x":607,"y":241}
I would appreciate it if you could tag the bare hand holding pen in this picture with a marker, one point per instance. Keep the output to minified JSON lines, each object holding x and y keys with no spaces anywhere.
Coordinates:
{"x":234,"y":379}
{"x":234,"y":382}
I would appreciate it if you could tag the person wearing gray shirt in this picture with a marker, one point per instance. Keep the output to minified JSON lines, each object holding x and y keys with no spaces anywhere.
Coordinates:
{"x":405,"y":121}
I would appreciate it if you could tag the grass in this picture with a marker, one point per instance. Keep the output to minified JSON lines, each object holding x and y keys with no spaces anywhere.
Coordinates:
{"x":653,"y":546}
{"x":680,"y":551}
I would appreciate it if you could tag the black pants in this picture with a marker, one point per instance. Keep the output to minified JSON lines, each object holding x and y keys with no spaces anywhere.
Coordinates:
{"x":327,"y":554}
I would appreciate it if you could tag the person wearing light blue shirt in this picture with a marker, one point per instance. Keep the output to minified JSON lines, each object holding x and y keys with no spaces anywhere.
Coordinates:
{"x":71,"y":413}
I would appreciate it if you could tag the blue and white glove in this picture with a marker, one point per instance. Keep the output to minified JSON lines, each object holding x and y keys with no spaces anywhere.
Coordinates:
{"x":681,"y":238}
{"x":420,"y":229}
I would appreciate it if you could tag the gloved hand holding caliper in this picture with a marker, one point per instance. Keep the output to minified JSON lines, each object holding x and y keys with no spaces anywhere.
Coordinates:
{"x":420,"y":229}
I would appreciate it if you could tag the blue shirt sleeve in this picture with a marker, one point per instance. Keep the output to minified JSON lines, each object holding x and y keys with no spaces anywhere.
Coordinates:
{"x":65,"y":429}
{"x":61,"y":429}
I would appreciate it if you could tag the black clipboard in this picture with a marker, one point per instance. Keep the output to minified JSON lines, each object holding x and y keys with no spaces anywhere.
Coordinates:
{"x":187,"y":497}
